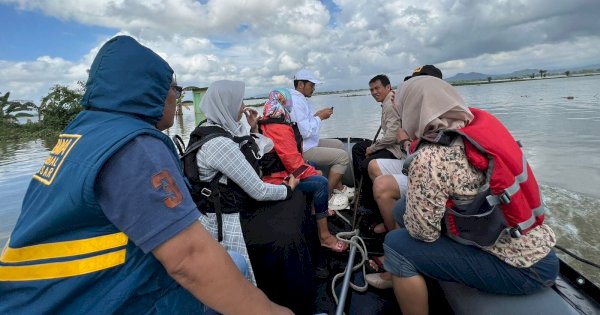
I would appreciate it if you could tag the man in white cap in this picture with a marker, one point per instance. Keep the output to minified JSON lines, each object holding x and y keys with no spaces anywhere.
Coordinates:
{"x":323,"y":152}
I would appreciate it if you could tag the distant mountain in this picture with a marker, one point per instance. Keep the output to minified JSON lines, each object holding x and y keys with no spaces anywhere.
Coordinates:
{"x":468,"y":76}
{"x":471,"y":76}
{"x":476,"y":76}
{"x":518,"y":73}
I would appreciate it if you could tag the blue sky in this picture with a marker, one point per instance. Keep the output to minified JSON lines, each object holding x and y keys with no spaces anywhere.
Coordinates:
{"x":43,"y":43}
{"x":33,"y":34}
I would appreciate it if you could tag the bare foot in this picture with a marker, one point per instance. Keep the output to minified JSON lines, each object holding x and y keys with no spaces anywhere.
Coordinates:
{"x":333,"y":244}
{"x":380,"y":228}
{"x":328,"y":240}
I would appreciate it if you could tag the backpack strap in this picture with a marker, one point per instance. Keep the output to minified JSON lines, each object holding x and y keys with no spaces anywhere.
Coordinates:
{"x":270,"y":120}
{"x":444,"y":138}
{"x":214,"y":193}
{"x":249,"y":140}
{"x":179,"y":144}
{"x":216,"y":198}
{"x":198,"y":144}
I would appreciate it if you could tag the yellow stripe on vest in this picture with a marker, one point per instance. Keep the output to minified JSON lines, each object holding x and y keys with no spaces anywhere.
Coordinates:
{"x":62,"y":269}
{"x":63,"y":249}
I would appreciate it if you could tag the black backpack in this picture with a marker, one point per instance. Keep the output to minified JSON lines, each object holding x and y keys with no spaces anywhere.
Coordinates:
{"x":271,"y":163}
{"x":208,"y":195}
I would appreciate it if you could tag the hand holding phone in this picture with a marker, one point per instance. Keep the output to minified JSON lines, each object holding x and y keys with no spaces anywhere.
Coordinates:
{"x":292,"y":179}
{"x":324,"y":113}
{"x":299,"y":171}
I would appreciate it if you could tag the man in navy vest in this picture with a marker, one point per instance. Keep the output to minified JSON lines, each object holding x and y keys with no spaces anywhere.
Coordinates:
{"x":107,"y":224}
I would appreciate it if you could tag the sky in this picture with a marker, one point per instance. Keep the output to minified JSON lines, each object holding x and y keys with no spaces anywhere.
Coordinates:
{"x":345,"y":42}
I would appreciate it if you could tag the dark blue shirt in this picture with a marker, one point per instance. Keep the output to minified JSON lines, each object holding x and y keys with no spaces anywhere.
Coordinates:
{"x":142,"y":192}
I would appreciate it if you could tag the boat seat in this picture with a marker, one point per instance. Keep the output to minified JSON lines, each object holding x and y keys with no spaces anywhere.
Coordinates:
{"x":468,"y":301}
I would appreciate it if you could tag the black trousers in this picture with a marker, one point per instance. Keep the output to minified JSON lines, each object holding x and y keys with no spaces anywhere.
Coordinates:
{"x":360,"y":164}
{"x":280,"y":251}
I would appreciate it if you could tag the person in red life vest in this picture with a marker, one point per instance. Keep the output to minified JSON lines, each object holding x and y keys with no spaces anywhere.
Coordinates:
{"x":459,"y":151}
{"x":286,"y":159}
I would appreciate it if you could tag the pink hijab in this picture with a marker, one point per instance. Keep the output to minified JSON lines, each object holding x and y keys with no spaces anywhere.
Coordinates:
{"x":427,"y":105}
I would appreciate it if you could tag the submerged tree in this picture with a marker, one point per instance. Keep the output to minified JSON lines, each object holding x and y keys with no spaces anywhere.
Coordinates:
{"x":11,"y":111}
{"x":181,"y":103}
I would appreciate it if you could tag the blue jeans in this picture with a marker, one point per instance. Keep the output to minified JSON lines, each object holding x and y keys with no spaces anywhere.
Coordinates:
{"x":241,"y":264}
{"x":317,"y":186}
{"x":447,"y":260}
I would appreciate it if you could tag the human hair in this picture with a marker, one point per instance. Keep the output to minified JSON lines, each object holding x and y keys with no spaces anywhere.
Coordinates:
{"x":296,"y":82}
{"x":381,"y":78}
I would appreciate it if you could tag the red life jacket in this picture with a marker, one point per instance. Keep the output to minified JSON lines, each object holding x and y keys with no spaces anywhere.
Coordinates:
{"x":509,"y":201}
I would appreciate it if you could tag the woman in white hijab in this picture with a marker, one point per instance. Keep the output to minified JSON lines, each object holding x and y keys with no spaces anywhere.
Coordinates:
{"x":439,"y":173}
{"x":223,"y":106}
{"x":221,"y":156}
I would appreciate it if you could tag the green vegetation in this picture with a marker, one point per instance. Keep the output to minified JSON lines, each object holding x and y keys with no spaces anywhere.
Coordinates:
{"x":55,"y":111}
{"x":60,"y":106}
{"x":11,"y":111}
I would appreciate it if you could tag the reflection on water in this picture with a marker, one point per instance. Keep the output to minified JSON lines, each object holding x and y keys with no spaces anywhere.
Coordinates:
{"x":18,"y":162}
{"x":561,"y":139}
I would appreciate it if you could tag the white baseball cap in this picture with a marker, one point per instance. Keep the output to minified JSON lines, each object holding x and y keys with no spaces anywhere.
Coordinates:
{"x":305,"y":74}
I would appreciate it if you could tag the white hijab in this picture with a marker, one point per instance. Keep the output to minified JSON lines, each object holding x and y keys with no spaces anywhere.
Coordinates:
{"x":427,"y":105}
{"x":221,"y":105}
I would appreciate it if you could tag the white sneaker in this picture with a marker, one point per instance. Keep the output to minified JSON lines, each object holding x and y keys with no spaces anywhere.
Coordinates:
{"x":338,"y":202}
{"x":346,"y":191}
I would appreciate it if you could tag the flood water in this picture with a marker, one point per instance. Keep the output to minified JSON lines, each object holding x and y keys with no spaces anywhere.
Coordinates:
{"x":560,"y":135}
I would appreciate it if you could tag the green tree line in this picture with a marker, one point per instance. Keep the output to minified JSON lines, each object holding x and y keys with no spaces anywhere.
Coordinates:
{"x":53,"y":113}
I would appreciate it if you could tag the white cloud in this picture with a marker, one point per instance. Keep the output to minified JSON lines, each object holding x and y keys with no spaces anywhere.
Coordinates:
{"x":31,"y":80}
{"x":264,"y":42}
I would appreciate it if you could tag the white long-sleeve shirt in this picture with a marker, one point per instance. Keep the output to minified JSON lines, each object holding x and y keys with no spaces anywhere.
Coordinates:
{"x":303,"y":114}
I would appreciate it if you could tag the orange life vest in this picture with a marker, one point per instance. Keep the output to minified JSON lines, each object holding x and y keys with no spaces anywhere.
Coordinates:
{"x":509,"y":201}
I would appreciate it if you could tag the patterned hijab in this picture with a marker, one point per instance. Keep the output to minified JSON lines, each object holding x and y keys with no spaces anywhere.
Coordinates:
{"x":279,"y":104}
{"x":221,"y":104}
{"x":427,"y":105}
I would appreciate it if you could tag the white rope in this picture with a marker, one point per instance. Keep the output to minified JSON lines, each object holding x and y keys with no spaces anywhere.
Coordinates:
{"x":359,"y":243}
{"x":341,"y":216}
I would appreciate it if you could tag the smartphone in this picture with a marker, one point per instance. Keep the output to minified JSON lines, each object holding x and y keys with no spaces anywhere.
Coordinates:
{"x":299,"y":171}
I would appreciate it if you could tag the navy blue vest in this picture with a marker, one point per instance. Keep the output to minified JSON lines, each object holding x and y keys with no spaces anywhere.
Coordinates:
{"x":64,"y":256}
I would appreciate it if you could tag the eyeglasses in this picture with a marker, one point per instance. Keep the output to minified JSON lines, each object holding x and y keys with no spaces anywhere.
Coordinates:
{"x":178,"y":90}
